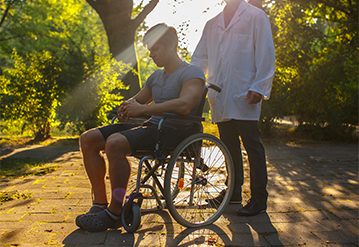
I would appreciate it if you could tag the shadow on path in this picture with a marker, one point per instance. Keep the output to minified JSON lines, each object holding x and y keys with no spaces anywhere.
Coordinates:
{"x":157,"y":229}
{"x":49,"y":152}
{"x":251,"y":231}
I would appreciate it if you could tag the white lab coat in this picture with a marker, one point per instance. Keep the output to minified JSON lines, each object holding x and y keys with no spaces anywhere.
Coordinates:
{"x":239,"y":58}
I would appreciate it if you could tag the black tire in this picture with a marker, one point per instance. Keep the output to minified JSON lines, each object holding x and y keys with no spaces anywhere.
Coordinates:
{"x":131,"y":217}
{"x":207,"y":171}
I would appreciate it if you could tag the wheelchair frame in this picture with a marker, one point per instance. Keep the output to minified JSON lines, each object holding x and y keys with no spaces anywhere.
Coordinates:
{"x":187,"y":164}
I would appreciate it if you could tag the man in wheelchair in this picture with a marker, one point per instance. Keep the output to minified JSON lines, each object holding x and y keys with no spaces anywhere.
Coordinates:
{"x":176,"y":89}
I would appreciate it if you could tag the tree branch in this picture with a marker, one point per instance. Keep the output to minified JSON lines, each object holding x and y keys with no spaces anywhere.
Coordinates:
{"x":6,"y":11}
{"x":146,"y":10}
{"x":93,"y":4}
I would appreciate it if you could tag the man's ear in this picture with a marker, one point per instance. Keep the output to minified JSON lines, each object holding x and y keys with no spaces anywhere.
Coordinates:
{"x":174,"y":46}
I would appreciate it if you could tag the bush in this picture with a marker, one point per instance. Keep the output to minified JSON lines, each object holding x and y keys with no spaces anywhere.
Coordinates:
{"x":333,"y":133}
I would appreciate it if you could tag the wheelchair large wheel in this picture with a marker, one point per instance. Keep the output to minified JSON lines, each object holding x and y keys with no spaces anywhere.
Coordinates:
{"x":200,"y":169}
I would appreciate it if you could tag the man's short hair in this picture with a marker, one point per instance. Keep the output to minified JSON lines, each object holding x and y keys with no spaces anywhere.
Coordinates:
{"x":161,"y":34}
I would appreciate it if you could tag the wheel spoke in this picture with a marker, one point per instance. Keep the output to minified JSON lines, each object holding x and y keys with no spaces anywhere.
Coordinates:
{"x":194,"y":186}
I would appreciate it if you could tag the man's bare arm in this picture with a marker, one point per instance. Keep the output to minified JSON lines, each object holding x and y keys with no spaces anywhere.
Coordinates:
{"x":190,"y":95}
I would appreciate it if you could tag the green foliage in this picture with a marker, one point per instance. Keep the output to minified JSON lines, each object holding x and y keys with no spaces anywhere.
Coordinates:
{"x":81,"y":92}
{"x":14,"y":128}
{"x":36,"y":25}
{"x":29,"y":91}
{"x":86,"y":105}
{"x":316,"y":55}
{"x":73,"y":44}
{"x":340,"y":133}
{"x":184,"y":54}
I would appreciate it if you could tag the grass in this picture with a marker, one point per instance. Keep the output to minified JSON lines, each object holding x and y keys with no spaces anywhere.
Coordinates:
{"x":11,"y":168}
{"x":14,"y":140}
{"x":6,"y":140}
{"x":23,"y":167}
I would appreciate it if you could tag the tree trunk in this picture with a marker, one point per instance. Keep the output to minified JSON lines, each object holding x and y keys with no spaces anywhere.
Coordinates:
{"x":121,"y":29}
{"x":43,"y":130}
{"x":122,"y":49}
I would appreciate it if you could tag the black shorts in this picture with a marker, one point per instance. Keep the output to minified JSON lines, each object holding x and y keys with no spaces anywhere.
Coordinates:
{"x":144,"y":137}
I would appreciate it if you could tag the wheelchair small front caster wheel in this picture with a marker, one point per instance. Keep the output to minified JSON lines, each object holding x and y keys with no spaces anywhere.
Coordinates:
{"x":131,"y":216}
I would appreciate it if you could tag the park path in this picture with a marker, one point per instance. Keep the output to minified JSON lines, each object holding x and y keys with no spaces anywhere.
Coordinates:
{"x":313,"y":202}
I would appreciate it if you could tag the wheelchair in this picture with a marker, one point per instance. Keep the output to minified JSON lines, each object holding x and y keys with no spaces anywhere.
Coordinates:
{"x":184,"y":179}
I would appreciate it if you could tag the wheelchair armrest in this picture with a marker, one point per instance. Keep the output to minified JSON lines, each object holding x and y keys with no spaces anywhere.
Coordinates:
{"x":178,"y":117}
{"x":141,"y":117}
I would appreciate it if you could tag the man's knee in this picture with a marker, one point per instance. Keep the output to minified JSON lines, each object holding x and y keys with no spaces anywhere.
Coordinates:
{"x":117,"y":144}
{"x":91,"y":139}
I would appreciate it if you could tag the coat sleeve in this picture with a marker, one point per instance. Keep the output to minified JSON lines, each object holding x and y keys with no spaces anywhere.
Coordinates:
{"x":264,"y":56}
{"x":200,"y":55}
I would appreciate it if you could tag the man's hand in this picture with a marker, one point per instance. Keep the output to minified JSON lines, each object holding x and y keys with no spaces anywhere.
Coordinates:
{"x":254,"y":97}
{"x":121,"y":112}
{"x":129,"y":109}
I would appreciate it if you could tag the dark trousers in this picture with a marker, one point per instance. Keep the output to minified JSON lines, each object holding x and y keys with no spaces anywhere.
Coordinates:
{"x":248,"y":131}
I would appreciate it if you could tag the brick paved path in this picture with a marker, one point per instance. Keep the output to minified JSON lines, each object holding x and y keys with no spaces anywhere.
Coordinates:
{"x":313,"y":201}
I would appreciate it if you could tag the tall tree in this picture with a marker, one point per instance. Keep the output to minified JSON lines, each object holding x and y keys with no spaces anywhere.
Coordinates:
{"x":29,"y":91}
{"x":55,"y":53}
{"x":116,"y":16}
{"x":317,"y":53}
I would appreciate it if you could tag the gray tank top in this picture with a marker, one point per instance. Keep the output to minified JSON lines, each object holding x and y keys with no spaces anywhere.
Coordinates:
{"x":165,"y":87}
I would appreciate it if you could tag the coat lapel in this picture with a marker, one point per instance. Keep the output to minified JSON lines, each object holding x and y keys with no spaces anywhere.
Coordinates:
{"x":236,"y":17}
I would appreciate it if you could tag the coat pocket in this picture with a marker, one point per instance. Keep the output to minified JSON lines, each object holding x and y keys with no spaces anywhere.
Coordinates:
{"x":244,"y":80}
{"x":243,"y":43}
